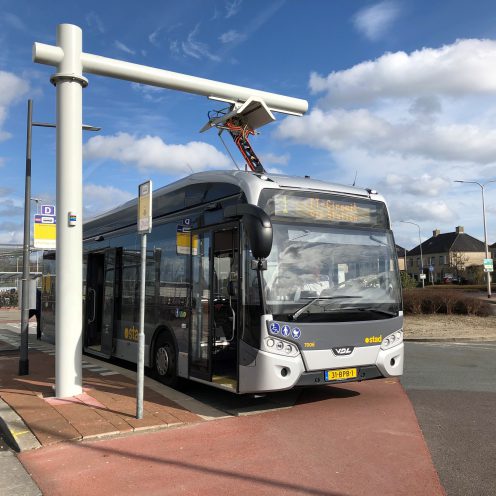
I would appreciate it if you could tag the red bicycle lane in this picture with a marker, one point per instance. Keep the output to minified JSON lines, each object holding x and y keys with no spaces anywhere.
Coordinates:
{"x":352,"y":439}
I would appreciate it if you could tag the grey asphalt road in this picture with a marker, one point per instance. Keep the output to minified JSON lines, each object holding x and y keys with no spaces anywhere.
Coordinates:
{"x":452,"y":387}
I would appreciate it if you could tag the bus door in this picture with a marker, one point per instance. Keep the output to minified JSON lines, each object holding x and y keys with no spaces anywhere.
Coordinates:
{"x":215,"y":306}
{"x":101,"y":304}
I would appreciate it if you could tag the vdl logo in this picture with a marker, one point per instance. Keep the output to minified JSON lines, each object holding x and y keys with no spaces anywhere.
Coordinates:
{"x":344,"y":351}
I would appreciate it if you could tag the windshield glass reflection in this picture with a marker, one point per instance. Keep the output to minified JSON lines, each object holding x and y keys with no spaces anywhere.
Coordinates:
{"x":337,"y":270}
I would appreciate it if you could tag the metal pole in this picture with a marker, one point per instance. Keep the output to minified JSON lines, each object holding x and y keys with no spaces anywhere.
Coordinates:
{"x":488,"y":274}
{"x":23,"y":351}
{"x":420,"y":246}
{"x":141,"y":334}
{"x":69,"y":284}
{"x":421,"y":257}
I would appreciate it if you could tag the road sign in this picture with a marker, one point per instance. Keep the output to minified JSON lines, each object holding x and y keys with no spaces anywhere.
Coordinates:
{"x":488,"y":265}
{"x":431,"y":268}
{"x":47,"y":210}
{"x":422,"y":276}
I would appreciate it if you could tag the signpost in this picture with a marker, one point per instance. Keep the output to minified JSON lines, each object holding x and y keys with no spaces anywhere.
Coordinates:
{"x":144,"y":227}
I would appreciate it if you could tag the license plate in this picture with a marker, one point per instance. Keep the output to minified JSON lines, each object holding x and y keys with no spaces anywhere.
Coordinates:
{"x":340,"y":374}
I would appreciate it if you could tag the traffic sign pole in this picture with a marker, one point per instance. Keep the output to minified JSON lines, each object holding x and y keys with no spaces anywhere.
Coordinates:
{"x":144,"y":227}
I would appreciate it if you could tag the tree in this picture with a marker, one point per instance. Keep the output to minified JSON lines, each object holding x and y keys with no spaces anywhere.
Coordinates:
{"x":475,"y":274}
{"x":407,"y":281}
{"x":458,"y":261}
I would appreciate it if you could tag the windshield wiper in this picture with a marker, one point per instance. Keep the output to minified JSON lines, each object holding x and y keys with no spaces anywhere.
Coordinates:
{"x":318,"y":298}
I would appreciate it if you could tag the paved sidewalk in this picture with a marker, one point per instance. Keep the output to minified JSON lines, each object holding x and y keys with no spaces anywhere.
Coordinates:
{"x":107,"y":406}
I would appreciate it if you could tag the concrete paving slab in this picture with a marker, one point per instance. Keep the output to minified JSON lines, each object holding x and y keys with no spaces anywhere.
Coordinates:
{"x":106,"y":407}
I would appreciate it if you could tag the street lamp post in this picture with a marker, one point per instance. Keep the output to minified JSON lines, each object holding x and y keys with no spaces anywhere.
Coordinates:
{"x":421,"y":255}
{"x":23,"y":350}
{"x":488,"y":274}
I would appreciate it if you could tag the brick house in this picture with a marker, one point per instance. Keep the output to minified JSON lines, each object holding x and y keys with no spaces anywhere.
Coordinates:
{"x":449,"y":254}
{"x":401,"y":253}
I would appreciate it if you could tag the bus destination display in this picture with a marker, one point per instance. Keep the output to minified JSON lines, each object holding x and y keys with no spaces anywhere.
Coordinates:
{"x":324,"y":209}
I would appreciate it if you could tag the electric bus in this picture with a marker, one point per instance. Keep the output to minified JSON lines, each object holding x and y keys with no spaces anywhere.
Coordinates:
{"x":255,"y":282}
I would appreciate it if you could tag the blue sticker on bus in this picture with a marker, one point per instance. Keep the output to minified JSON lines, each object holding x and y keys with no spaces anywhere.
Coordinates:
{"x":274,"y":328}
{"x":296,"y":333}
{"x":285,"y":330}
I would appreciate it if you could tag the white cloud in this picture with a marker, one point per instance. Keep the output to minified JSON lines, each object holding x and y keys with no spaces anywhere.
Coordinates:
{"x":192,"y":47}
{"x":151,"y":153}
{"x":150,"y":93}
{"x":153,"y":37}
{"x":13,"y":21}
{"x":466,"y":67}
{"x":341,"y":129}
{"x":374,"y":21}
{"x":99,"y":199}
{"x":232,"y":36}
{"x":118,"y":44}
{"x":410,"y":124}
{"x":12,"y":89}
{"x":232,"y":7}
{"x":94,"y":22}
{"x":272,"y":158}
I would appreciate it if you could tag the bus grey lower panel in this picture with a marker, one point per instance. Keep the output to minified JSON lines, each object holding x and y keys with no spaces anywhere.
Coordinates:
{"x":182,"y":364}
{"x":271,"y":372}
{"x":128,"y":350}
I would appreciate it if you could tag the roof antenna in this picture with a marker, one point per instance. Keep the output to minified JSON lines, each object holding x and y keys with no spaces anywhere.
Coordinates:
{"x":354,"y":180}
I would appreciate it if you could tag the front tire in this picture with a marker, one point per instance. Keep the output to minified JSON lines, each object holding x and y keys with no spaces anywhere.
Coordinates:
{"x":165,"y":361}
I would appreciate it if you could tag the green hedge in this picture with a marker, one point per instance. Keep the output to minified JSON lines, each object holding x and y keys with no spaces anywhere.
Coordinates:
{"x":433,"y":300}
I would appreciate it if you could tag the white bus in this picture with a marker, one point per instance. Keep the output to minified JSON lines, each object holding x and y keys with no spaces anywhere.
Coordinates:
{"x":255,"y":282}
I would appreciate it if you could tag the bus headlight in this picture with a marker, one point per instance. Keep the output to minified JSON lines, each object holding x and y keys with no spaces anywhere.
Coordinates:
{"x":281,"y":347}
{"x":392,"y":340}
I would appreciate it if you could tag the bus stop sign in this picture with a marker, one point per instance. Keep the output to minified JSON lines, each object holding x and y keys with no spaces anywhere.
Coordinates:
{"x":145,"y":208}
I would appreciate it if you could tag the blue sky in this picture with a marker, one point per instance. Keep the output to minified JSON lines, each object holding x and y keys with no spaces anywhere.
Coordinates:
{"x":401,"y":93}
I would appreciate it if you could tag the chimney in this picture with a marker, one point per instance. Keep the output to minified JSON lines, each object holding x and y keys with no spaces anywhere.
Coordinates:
{"x":460,"y":230}
{"x":436,"y":232}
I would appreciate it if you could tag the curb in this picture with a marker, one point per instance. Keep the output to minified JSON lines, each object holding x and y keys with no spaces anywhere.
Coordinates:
{"x":450,"y":339}
{"x":15,"y":431}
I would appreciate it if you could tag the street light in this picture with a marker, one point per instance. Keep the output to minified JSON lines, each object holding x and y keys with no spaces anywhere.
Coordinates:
{"x":488,"y":277}
{"x":421,"y":255}
{"x":23,"y":350}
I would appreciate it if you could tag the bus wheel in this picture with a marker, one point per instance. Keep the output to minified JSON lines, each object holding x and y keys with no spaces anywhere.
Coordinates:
{"x":165,"y":361}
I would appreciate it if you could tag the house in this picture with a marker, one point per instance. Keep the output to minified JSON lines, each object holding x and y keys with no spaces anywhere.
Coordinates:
{"x":401,"y":253}
{"x":447,"y":256}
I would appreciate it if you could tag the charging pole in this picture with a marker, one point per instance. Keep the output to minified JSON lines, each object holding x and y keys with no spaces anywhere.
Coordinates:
{"x":144,"y":228}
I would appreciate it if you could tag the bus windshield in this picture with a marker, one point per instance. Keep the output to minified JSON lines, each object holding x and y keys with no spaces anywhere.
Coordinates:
{"x":319,"y":273}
